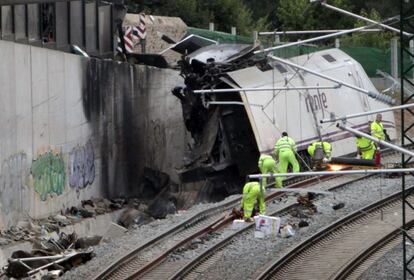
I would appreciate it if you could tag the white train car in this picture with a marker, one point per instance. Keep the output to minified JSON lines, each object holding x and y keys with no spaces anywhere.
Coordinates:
{"x":299,"y":111}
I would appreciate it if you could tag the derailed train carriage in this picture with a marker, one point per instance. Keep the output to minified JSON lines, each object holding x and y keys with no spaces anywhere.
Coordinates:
{"x":231,"y":128}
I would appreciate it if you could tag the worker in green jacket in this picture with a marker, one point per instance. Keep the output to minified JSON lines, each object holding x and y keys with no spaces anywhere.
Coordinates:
{"x":267,"y":165}
{"x":285,"y":149}
{"x":251,"y":196}
{"x":320,"y":152}
{"x":366,"y":148}
{"x":326,"y":148}
{"x":377,"y":128}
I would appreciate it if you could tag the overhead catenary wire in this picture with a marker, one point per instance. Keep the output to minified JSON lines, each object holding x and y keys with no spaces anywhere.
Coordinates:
{"x":323,"y":37}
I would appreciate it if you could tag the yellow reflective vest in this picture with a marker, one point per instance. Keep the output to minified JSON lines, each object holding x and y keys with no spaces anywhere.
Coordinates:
{"x":285,"y":143}
{"x":327,"y":148}
{"x":377,"y":130}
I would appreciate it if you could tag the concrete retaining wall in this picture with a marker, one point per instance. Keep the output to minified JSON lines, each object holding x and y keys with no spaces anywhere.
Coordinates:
{"x":74,"y":128}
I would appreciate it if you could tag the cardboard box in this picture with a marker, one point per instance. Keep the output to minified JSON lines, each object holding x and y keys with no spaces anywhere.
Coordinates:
{"x":268,"y":225}
{"x":258,"y":234}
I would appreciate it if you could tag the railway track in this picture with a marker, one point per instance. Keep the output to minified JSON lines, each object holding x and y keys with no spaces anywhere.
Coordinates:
{"x":325,"y":254}
{"x":360,"y":263}
{"x":141,"y":261}
{"x":201,"y":264}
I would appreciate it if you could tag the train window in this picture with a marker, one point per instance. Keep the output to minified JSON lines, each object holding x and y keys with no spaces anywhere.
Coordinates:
{"x":281,"y":68}
{"x":329,"y":58}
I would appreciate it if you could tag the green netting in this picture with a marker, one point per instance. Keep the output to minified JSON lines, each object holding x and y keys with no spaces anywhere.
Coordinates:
{"x":220,"y":37}
{"x":372,"y":59}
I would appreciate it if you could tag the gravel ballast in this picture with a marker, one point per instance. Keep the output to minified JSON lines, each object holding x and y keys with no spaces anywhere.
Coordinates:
{"x":246,"y":249}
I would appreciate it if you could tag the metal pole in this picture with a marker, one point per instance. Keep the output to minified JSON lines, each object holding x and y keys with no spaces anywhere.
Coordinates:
{"x":25,"y":2}
{"x":230,"y":103}
{"x":363,"y":18}
{"x":347,"y":172}
{"x":378,"y":96}
{"x":394,"y":58}
{"x":37,"y":258}
{"x":312,"y":39}
{"x":298,"y":32}
{"x":376,"y":140}
{"x":255,"y":36}
{"x":319,"y":38}
{"x":337,"y":43}
{"x":212,"y":90}
{"x":367,"y":113}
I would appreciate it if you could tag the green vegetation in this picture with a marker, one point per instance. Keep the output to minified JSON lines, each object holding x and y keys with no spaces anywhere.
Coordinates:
{"x":266,"y":15}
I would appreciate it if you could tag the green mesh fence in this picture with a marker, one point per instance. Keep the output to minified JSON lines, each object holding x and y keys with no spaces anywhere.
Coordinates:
{"x":371,"y":59}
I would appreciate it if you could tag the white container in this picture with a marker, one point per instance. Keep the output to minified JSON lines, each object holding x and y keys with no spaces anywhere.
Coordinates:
{"x":238,"y":224}
{"x":259,"y":234}
{"x":268,"y":225}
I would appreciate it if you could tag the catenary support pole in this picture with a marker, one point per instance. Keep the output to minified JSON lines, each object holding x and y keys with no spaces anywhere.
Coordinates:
{"x":376,"y":140}
{"x":323,"y":3}
{"x":323,"y":37}
{"x":376,"y":95}
{"x":368,"y":113}
{"x":263,"y":89}
{"x":299,"y":32}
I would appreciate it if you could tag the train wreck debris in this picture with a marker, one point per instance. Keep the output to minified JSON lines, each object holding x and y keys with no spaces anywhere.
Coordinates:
{"x":237,"y":102}
{"x":219,"y":138}
{"x":51,"y":257}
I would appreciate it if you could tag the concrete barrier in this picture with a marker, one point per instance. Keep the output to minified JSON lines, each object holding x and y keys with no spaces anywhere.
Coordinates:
{"x":74,"y":128}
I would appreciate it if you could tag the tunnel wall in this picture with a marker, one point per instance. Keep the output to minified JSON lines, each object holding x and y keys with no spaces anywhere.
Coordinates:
{"x":75,"y":128}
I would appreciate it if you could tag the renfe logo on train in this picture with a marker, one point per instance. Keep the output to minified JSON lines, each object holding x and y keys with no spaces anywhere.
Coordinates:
{"x":316,"y":101}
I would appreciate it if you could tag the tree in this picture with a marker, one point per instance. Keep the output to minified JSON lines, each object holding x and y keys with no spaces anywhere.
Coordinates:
{"x":369,"y":39}
{"x":198,"y":13}
{"x":301,"y":15}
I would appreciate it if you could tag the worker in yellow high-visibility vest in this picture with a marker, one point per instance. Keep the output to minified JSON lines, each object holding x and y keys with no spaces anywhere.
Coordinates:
{"x":377,"y":128}
{"x":267,"y":165}
{"x":326,"y":148}
{"x":320,"y":152}
{"x":251,"y":197}
{"x":285,"y":149}
{"x":366,"y":148}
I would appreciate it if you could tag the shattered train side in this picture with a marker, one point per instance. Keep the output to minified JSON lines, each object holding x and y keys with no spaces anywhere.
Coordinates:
{"x":231,"y":128}
{"x":224,"y":148}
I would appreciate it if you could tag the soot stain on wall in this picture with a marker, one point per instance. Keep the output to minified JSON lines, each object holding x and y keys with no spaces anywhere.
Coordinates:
{"x":111,"y":104}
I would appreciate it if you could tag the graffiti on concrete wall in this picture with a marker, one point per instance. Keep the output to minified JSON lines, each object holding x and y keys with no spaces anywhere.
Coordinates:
{"x":81,"y":166}
{"x":12,"y":181}
{"x":48,"y":172}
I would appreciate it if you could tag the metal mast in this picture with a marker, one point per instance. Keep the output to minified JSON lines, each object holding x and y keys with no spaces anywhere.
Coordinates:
{"x":406,"y":67}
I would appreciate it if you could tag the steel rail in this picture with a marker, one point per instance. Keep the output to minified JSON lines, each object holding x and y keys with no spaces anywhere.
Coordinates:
{"x":111,"y":269}
{"x":390,"y":240}
{"x":185,"y":270}
{"x":217,"y":224}
{"x":307,"y":245}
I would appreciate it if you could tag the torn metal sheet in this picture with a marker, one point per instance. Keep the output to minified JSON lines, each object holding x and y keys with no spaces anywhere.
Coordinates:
{"x":219,"y":53}
{"x":190,"y":44}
